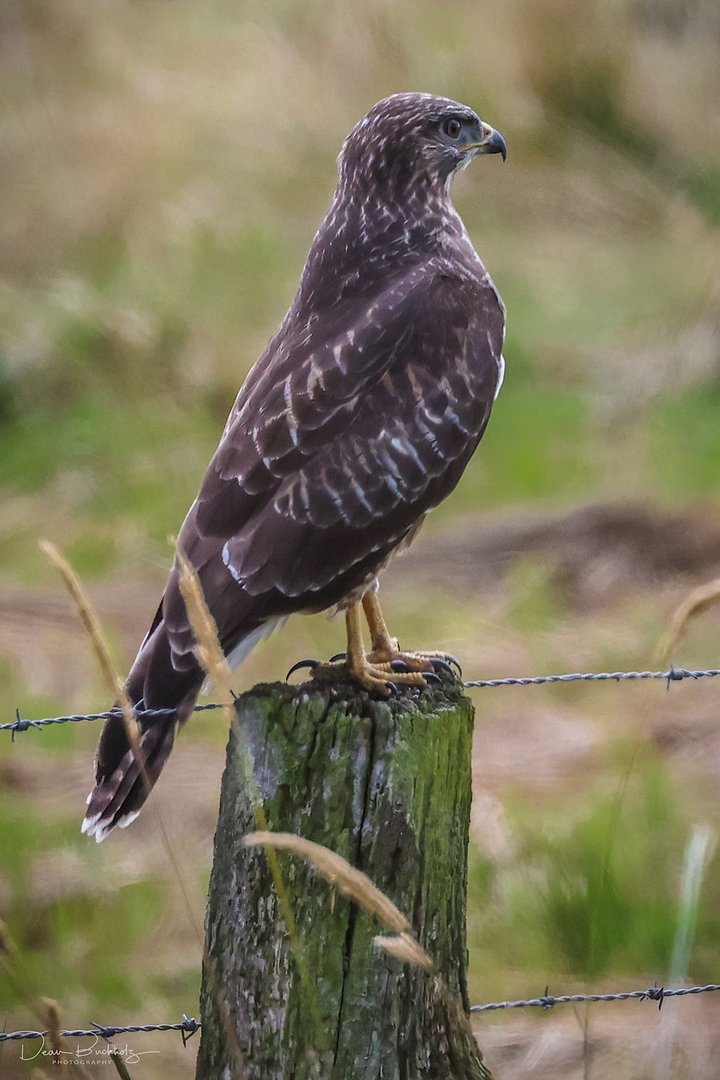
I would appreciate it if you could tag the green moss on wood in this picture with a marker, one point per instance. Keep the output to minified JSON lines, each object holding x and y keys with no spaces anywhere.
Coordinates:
{"x":386,"y":785}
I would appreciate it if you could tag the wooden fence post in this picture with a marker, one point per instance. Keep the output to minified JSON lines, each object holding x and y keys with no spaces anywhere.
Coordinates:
{"x":387,"y":786}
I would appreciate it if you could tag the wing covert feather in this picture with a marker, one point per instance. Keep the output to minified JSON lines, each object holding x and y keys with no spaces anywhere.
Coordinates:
{"x":398,"y":453}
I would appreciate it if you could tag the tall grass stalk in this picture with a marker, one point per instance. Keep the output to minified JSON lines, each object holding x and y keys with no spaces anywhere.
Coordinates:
{"x":697,"y":851}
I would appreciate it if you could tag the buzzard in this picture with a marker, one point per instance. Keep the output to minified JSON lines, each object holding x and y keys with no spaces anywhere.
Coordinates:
{"x":359,"y":418}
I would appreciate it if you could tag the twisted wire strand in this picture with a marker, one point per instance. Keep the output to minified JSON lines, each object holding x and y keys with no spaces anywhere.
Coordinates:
{"x":673,"y":674}
{"x":188,"y":1026}
{"x":548,"y":1001}
{"x":21,"y":723}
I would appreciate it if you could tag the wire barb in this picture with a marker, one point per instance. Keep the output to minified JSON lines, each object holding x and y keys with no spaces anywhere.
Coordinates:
{"x":549,"y":1001}
{"x":21,"y":724}
{"x":673,"y":674}
{"x":187,"y":1027}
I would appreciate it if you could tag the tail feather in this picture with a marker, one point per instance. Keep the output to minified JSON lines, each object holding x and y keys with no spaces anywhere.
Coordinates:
{"x":118,"y":798}
{"x":124,"y":777}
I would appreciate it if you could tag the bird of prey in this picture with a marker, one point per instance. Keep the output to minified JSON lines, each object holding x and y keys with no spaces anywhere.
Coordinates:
{"x":359,"y":418}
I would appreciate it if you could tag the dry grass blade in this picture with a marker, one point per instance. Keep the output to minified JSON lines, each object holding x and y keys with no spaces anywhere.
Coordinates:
{"x":208,"y":648}
{"x":94,"y":631}
{"x":120,"y":1066}
{"x":404,"y":947}
{"x":697,"y":601}
{"x":211,"y":656}
{"x":337,"y":871}
{"x":7,"y":947}
{"x":116,"y":685}
{"x":52,"y":1021}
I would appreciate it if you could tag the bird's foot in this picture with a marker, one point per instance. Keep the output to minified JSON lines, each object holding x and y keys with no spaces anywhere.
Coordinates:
{"x":381,"y":677}
{"x":386,"y":667}
{"x":385,"y":677}
{"x":420,"y":660}
{"x":410,"y":661}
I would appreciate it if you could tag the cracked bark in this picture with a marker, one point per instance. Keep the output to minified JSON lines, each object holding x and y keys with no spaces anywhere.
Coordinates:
{"x":387,"y":786}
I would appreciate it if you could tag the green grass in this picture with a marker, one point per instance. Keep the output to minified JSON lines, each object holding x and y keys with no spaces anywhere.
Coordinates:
{"x":682,"y":444}
{"x":82,"y":936}
{"x":594,"y":887}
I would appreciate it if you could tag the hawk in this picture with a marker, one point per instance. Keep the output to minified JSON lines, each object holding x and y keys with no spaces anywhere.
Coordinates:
{"x":359,"y":418}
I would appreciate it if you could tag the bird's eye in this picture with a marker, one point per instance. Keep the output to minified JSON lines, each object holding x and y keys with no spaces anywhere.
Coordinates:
{"x":452,"y":128}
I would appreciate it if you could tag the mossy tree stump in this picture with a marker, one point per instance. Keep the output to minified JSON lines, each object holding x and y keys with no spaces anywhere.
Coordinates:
{"x":387,"y":786}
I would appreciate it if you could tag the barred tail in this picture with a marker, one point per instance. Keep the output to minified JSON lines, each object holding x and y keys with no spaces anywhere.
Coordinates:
{"x":124,"y":777}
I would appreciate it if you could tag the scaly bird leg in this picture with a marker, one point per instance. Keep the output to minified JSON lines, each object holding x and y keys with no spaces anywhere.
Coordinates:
{"x":385,"y":665}
{"x":386,"y":649}
{"x":378,"y":677}
{"x":372,"y":674}
{"x":380,"y":640}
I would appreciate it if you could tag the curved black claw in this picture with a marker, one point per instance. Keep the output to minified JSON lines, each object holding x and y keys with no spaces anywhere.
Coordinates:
{"x":312,"y":664}
{"x":335,"y":657}
{"x":398,"y":665}
{"x":448,"y":661}
{"x":401,"y":667}
{"x":446,"y":665}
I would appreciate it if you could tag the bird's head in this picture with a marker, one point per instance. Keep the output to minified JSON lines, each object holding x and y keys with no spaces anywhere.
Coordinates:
{"x":411,"y":139}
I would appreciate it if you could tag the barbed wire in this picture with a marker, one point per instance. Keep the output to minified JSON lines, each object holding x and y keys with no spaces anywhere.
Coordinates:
{"x":189,"y":1026}
{"x":548,"y":1001}
{"x":20,"y":723}
{"x":673,"y":674}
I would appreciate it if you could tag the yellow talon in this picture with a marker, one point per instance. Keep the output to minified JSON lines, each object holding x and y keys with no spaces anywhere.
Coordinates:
{"x":386,"y":649}
{"x":376,"y":671}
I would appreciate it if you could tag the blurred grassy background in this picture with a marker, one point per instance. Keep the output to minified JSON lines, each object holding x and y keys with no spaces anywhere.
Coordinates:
{"x":164,"y":169}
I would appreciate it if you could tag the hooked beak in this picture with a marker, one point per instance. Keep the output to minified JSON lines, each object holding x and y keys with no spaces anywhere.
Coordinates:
{"x":491,"y":143}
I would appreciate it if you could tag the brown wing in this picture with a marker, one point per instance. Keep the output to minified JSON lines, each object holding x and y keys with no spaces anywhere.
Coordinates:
{"x":335,"y":449}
